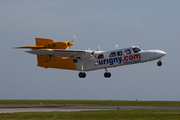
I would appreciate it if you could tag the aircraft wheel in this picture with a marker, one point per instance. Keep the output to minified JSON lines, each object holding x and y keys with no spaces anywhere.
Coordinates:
{"x":159,"y":63}
{"x":82,"y":74}
{"x":107,"y":74}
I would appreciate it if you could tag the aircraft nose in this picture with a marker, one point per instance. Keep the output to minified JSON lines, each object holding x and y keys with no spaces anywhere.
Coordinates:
{"x":160,"y":53}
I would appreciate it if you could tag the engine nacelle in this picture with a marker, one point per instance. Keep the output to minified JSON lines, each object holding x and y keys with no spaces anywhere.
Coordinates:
{"x":87,"y":57}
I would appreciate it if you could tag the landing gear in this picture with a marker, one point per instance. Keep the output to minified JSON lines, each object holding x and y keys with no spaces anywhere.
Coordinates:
{"x":107,"y":74}
{"x":82,"y":74}
{"x":159,"y":63}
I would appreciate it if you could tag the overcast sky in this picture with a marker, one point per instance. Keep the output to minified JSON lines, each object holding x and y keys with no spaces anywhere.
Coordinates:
{"x":153,"y":24}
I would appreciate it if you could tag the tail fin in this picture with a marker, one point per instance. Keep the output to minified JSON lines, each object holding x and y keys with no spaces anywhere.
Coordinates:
{"x":43,"y":58}
{"x":43,"y":41}
{"x":40,"y":43}
{"x":47,"y":60}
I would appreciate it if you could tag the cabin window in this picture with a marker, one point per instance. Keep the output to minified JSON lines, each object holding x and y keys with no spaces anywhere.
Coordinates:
{"x":75,"y":61}
{"x":113,"y":54}
{"x":101,"y":56}
{"x":127,"y":52}
{"x":119,"y":53}
{"x":136,"y":50}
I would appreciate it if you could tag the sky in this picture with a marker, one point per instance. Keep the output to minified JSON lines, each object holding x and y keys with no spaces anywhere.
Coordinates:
{"x":148,"y":24}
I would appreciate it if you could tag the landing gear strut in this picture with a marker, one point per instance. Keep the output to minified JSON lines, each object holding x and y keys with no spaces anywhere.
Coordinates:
{"x":82,"y":74}
{"x":107,"y":74}
{"x":159,"y":63}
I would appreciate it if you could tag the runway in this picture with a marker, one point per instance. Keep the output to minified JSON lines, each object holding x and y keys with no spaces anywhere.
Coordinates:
{"x":12,"y":109}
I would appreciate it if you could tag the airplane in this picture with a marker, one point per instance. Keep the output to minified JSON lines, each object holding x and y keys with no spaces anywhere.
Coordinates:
{"x":51,"y":54}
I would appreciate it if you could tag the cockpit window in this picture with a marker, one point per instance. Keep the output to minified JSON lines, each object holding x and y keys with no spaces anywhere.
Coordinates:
{"x":136,"y":50}
{"x":113,"y":54}
{"x":127,"y":52}
{"x":101,"y":56}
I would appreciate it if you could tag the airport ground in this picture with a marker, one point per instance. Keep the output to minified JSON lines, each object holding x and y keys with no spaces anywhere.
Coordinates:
{"x":89,"y":109}
{"x":91,"y":103}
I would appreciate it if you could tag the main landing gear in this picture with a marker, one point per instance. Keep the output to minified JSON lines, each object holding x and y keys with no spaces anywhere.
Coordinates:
{"x":107,"y":74}
{"x":159,"y":63}
{"x":82,"y":74}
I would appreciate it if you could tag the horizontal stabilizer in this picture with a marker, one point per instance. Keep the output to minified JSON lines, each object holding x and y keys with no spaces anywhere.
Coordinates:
{"x":57,"y":52}
{"x":31,"y":47}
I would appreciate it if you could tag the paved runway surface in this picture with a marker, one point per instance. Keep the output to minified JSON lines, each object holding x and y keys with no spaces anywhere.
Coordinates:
{"x":12,"y":109}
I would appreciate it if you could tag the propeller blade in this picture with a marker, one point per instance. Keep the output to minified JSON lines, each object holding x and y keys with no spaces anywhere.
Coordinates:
{"x":74,"y":37}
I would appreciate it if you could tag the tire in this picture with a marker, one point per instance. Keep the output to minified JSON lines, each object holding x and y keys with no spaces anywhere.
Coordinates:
{"x":82,"y":74}
{"x":159,"y":63}
{"x":107,"y":74}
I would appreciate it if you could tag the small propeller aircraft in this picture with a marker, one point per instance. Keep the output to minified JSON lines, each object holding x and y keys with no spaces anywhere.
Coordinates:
{"x":52,"y":54}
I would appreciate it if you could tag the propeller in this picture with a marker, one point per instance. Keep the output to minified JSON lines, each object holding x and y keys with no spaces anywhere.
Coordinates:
{"x":74,"y":37}
{"x":70,"y":43}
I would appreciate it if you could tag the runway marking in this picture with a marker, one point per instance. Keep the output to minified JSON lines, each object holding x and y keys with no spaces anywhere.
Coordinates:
{"x":12,"y":109}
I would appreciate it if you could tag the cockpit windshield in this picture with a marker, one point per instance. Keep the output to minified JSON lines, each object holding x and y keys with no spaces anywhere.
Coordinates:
{"x":136,"y":49}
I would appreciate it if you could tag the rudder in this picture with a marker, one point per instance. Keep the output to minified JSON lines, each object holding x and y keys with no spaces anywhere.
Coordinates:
{"x":42,"y":42}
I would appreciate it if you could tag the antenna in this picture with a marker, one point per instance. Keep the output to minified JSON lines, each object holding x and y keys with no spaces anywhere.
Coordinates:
{"x":132,"y":44}
{"x":98,"y":48}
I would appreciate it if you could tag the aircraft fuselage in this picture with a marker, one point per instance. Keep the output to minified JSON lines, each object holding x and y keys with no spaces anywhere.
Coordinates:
{"x":118,"y":57}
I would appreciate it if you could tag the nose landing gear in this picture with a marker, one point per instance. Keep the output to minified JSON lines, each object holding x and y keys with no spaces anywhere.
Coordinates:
{"x":159,"y":63}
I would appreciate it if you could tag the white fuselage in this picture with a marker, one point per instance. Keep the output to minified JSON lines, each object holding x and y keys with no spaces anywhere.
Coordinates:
{"x":119,"y":57}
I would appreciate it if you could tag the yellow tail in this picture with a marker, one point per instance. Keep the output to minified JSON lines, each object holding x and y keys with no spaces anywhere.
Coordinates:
{"x":41,"y":59}
{"x":43,"y":41}
{"x":48,"y":61}
{"x":55,"y":62}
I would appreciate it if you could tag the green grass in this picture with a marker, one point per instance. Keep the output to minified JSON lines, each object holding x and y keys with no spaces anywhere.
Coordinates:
{"x":95,"y":115}
{"x":91,"y":103}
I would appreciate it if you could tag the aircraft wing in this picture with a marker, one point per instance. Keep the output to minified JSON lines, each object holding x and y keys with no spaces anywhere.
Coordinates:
{"x":57,"y":52}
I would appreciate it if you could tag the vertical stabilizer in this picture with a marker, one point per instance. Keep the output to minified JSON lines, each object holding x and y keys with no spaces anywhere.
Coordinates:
{"x":42,"y":42}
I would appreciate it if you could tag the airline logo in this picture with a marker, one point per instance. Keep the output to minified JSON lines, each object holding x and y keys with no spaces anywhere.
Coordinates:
{"x":132,"y":58}
{"x":119,"y":60}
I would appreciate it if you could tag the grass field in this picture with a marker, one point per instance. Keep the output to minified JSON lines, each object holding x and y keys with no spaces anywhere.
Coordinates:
{"x":92,"y":103}
{"x":94,"y":115}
